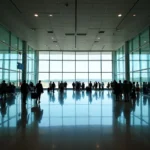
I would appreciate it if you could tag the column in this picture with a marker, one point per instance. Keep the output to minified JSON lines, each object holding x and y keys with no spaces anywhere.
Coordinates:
{"x":24,"y":60}
{"x":36,"y":66}
{"x":127,"y":62}
{"x":114,"y":66}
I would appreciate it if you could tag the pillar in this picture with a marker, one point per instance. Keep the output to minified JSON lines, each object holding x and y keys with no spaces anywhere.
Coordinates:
{"x":127,"y":62}
{"x":24,"y":60}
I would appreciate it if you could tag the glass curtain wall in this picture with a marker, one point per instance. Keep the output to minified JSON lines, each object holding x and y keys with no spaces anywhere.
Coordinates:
{"x":74,"y":66}
{"x":11,"y":48}
{"x":30,"y":77}
{"x":139,"y":51}
{"x":120,"y":62}
{"x":10,"y":54}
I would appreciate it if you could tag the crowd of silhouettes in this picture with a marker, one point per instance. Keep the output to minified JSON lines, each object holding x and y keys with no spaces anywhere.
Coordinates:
{"x":126,"y":90}
{"x":6,"y":89}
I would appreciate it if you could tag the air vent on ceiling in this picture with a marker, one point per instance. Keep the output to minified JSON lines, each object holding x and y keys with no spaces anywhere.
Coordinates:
{"x":69,"y":34}
{"x":54,"y":41}
{"x":50,"y":32}
{"x":96,"y":41}
{"x":101,"y":31}
{"x":81,"y":34}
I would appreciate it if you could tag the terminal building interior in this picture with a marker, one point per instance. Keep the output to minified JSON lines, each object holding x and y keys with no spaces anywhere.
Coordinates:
{"x":98,"y":48}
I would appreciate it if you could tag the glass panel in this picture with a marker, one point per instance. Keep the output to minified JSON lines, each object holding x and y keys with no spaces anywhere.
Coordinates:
{"x":69,"y":78}
{"x":136,"y":55}
{"x":136,"y":65}
{"x":68,"y":55}
{"x":6,"y":64}
{"x":20,"y":45}
{"x":136,"y":77}
{"x":13,"y":65}
{"x":68,"y":66}
{"x":107,"y":56}
{"x":144,"y":37}
{"x":82,"y":77}
{"x":1,"y":63}
{"x":44,"y":77}
{"x":106,"y":77}
{"x":44,"y":55}
{"x":94,"y":66}
{"x":55,"y":66}
{"x":95,"y":77}
{"x":56,"y":77}
{"x":106,"y":66}
{"x":136,"y":43}
{"x":14,"y":41}
{"x":82,"y":56}
{"x":94,"y":56}
{"x":13,"y":55}
{"x":81,"y":66}
{"x":144,"y":76}
{"x":13,"y":78}
{"x":43,"y":66}
{"x":144,"y":64}
{"x":55,"y":55}
{"x":4,"y":35}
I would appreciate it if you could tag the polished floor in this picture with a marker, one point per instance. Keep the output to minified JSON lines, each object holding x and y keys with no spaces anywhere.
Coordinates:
{"x":75,"y":121}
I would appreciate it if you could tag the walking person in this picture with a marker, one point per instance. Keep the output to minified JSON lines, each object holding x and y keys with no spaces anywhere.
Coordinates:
{"x":24,"y":91}
{"x":39,"y":89}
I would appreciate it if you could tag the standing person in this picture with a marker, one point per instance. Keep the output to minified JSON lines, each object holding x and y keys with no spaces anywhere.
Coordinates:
{"x":137,"y":87}
{"x":4,"y":89}
{"x":53,"y":87}
{"x":24,"y":91}
{"x":90,"y":85}
{"x":39,"y":89}
{"x":73,"y":85}
{"x":83,"y":85}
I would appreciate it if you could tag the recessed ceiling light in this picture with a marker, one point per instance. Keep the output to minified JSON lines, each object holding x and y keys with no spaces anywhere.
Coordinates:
{"x":145,"y":41}
{"x":119,"y":15}
{"x":56,"y":45}
{"x":98,"y":38}
{"x":134,"y":15}
{"x":51,"y":15}
{"x":36,"y":15}
{"x":52,"y":38}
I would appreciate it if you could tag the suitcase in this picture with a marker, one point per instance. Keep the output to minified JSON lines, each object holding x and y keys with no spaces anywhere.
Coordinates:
{"x":34,"y":96}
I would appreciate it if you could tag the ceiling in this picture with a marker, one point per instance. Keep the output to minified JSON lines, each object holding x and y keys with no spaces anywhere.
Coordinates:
{"x":76,"y":24}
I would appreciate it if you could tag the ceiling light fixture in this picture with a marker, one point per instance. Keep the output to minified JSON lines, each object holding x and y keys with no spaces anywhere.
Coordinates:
{"x":134,"y":15}
{"x":52,"y":38}
{"x":119,"y":15}
{"x":50,"y":15}
{"x":36,"y":15}
{"x":98,"y":38}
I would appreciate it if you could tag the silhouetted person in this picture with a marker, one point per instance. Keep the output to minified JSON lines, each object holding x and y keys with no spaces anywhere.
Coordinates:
{"x":53,"y":87}
{"x":83,"y":85}
{"x":3,"y":89}
{"x":65,"y":85}
{"x":108,"y":85}
{"x":90,"y":86}
{"x":24,"y":91}
{"x":73,"y":85}
{"x":39,"y":89}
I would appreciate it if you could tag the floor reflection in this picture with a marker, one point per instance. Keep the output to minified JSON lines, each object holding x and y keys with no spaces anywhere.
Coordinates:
{"x":78,"y":109}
